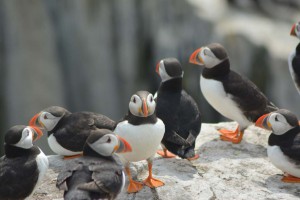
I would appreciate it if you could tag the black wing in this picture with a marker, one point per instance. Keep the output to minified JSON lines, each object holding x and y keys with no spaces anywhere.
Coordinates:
{"x":248,"y":96}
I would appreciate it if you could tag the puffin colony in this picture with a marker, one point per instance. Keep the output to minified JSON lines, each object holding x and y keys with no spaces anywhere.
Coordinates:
{"x":97,"y":151}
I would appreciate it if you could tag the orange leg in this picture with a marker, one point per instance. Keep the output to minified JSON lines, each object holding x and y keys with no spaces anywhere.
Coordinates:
{"x":72,"y":157}
{"x":290,"y":179}
{"x":165,"y":153}
{"x":231,"y":136}
{"x":194,"y":158}
{"x":150,"y":181}
{"x":134,"y":186}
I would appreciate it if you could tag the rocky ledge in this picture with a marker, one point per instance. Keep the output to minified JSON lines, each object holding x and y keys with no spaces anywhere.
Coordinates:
{"x":224,"y":171}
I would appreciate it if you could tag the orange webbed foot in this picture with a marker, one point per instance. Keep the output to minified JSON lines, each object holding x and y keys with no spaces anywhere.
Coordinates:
{"x":134,"y":186}
{"x":290,"y":179}
{"x":231,"y":136}
{"x":153,"y":182}
{"x":72,"y":157}
{"x":165,"y":153}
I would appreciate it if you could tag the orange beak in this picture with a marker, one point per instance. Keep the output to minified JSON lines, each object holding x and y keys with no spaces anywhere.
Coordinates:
{"x":157,"y":68}
{"x":263,"y":122}
{"x":293,"y":32}
{"x":123,"y":146}
{"x":38,"y":133}
{"x":145,"y":108}
{"x":34,"y":120}
{"x":193,"y":58}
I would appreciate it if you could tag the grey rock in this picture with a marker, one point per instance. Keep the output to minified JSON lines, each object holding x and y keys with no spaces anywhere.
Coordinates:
{"x":223,"y":171}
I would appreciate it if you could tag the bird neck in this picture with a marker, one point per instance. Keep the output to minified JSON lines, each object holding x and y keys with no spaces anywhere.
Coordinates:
{"x":174,"y":84}
{"x":88,"y":151}
{"x":135,"y":120}
{"x":284,"y":140}
{"x":298,"y":49}
{"x":14,"y":152}
{"x":221,"y":69}
{"x":58,"y":125}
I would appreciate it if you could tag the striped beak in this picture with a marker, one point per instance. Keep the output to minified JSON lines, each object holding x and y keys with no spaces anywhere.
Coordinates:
{"x":34,"y":121}
{"x":293,"y":30}
{"x":195,"y":59}
{"x":263,"y":122}
{"x":123,"y":146}
{"x":157,"y":68}
{"x":37,"y":133}
{"x":145,"y":108}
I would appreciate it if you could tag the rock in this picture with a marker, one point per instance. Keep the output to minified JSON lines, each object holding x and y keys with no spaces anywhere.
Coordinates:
{"x":224,"y":171}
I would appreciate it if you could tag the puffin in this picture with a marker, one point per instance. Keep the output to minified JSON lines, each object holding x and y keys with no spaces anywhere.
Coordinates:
{"x":67,"y":132}
{"x":294,"y":58}
{"x":283,"y":143}
{"x":98,"y":174}
{"x":178,"y":110}
{"x":144,"y":132}
{"x":24,"y":165}
{"x":231,"y":94}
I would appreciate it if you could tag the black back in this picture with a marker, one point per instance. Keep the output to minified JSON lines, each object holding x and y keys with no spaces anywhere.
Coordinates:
{"x":181,"y":116}
{"x":246,"y":94}
{"x":296,"y":66}
{"x":91,"y":178}
{"x":289,"y":143}
{"x":73,"y":129}
{"x":18,"y":172}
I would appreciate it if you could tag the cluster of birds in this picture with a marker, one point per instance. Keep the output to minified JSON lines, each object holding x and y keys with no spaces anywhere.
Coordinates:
{"x":89,"y":141}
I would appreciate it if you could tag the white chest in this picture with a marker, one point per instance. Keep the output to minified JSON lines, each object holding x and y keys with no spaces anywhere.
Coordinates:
{"x":282,"y":162}
{"x":58,"y":149}
{"x":291,"y":69}
{"x":144,"y":139}
{"x":214,"y":93}
{"x":43,"y":164}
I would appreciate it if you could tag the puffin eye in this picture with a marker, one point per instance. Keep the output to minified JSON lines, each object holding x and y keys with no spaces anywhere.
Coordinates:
{"x":276,"y":118}
{"x":204,"y":52}
{"x":151,"y":99}
{"x":108,"y":140}
{"x":134,"y":101}
{"x":45,"y":117}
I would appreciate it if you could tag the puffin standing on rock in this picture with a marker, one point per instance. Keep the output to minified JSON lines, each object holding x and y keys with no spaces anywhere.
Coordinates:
{"x":144,"y":131}
{"x":97,"y":174}
{"x":178,"y":110}
{"x":294,"y":58}
{"x":23,"y":166}
{"x":67,"y":132}
{"x":283,"y":143}
{"x":231,"y":94}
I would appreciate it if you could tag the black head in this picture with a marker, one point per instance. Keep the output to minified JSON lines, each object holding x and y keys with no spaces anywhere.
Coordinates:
{"x":49,"y":117}
{"x":209,"y":56}
{"x":280,"y":121}
{"x":104,"y":142}
{"x":169,"y":68}
{"x":56,"y":111}
{"x":21,"y":136}
{"x":14,"y":134}
{"x":142,"y":104}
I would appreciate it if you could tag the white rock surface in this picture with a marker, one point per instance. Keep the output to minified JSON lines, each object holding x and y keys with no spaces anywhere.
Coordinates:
{"x":224,"y":171}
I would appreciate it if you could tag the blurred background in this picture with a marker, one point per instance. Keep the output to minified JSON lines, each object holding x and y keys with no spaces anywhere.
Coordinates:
{"x":93,"y":55}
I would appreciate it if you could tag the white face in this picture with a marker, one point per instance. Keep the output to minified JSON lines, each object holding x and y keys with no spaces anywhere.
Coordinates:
{"x":136,"y":105}
{"x":279,"y":124}
{"x":208,"y":58}
{"x":106,"y":145}
{"x":26,"y":139}
{"x":48,"y":121}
